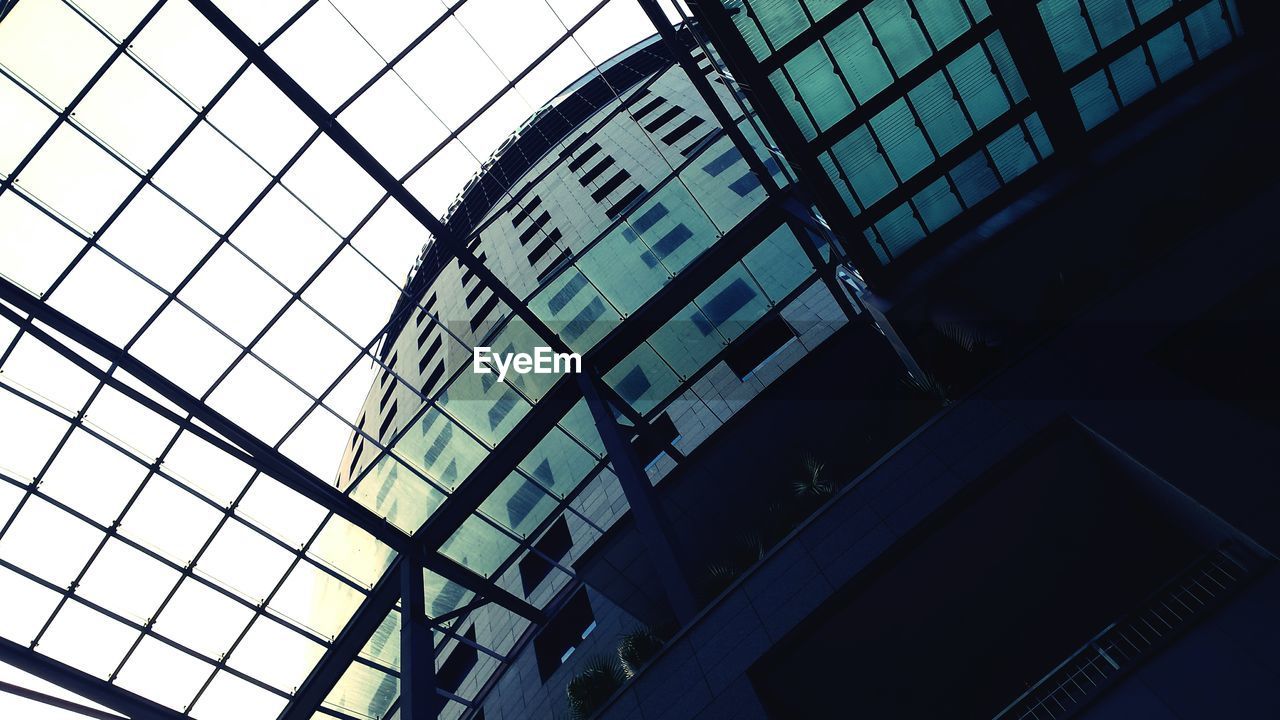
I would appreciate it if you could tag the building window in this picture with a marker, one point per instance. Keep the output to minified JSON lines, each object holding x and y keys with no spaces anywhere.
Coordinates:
{"x":562,"y":636}
{"x":750,"y":352}
{"x":459,"y":663}
{"x":652,"y":444}
{"x":555,"y":544}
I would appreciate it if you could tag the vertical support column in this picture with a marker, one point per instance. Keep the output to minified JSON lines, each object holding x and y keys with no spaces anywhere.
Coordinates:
{"x":1032,"y":51}
{"x":650,"y":520}
{"x":418,"y":697}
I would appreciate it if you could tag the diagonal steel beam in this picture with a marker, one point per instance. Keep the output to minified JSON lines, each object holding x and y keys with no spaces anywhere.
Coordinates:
{"x":264,"y":457}
{"x":95,"y":689}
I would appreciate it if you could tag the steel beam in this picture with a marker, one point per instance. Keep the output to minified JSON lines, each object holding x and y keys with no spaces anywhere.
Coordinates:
{"x":91,"y":688}
{"x":646,"y":508}
{"x":418,"y":697}
{"x":264,"y":457}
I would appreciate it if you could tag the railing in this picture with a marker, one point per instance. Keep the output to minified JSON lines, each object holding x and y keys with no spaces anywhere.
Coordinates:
{"x":1089,"y":671}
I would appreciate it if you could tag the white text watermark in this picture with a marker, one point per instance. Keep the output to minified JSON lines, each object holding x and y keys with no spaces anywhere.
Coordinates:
{"x":542,"y":361}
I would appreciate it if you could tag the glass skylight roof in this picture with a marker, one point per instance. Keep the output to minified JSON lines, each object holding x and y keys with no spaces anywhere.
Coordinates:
{"x":162,"y":198}
{"x":203,"y":289}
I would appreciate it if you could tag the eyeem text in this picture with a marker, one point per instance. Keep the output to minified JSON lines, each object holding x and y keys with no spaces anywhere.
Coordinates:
{"x":542,"y":361}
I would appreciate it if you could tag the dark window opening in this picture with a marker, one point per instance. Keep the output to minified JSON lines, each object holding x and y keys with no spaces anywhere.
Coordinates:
{"x":483,"y":314}
{"x":596,"y":170}
{"x":523,"y":213}
{"x":610,"y":185}
{"x":664,"y":118}
{"x":435,"y":378}
{"x":751,"y":350}
{"x":681,"y":130}
{"x":455,"y":667}
{"x":649,"y":107}
{"x":555,"y":543}
{"x":563,"y":634}
{"x":544,"y":246}
{"x":662,"y":432}
{"x":386,"y":424}
{"x":745,"y":184}
{"x":625,"y":202}
{"x":586,"y":155}
{"x":474,"y":294}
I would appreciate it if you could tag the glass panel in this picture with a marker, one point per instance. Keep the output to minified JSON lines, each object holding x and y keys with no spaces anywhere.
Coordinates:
{"x":49,"y":542}
{"x":351,"y":551}
{"x":230,"y":698}
{"x":46,"y":44}
{"x":364,"y":691}
{"x":92,"y":477}
{"x":164,"y":674}
{"x":440,"y":449}
{"x":396,"y":493}
{"x":211,"y":177}
{"x":275,"y":654}
{"x":778,"y":264}
{"x":642,"y":379}
{"x":902,"y":140}
{"x":479,"y":546}
{"x":65,"y":640}
{"x":316,"y":600}
{"x":28,"y":606}
{"x":77,"y":179}
{"x":244,"y":560}
{"x":518,"y":504}
{"x":899,"y":34}
{"x":202,"y":619}
{"x":821,"y":89}
{"x":133,"y":113}
{"x":861,"y":62}
{"x":25,"y":227}
{"x":127,"y":582}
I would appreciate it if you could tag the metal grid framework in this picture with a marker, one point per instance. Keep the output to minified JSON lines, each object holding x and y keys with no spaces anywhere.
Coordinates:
{"x":196,"y":468}
{"x":900,"y":115}
{"x":199,"y":470}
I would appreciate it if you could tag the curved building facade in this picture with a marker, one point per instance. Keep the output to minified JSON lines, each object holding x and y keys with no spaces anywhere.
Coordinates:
{"x":599,"y":201}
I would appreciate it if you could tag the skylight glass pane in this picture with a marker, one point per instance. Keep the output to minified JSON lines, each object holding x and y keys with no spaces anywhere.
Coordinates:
{"x":133,"y":113}
{"x":164,"y":674}
{"x":210,"y":177}
{"x":230,"y":698}
{"x":77,"y":179}
{"x":51,"y":48}
{"x":202,"y":619}
{"x":176,"y":35}
{"x":26,"y":227}
{"x":170,"y":520}
{"x":157,"y":238}
{"x":261,"y":120}
{"x":244,"y":561}
{"x":325,"y":55}
{"x":127,"y":582}
{"x":26,"y":120}
{"x":65,"y":640}
{"x":28,"y":605}
{"x":290,"y":257}
{"x":364,"y":692}
{"x":93,"y":477}
{"x":479,"y":546}
{"x":30,"y":435}
{"x":275,"y":654}
{"x":316,"y":600}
